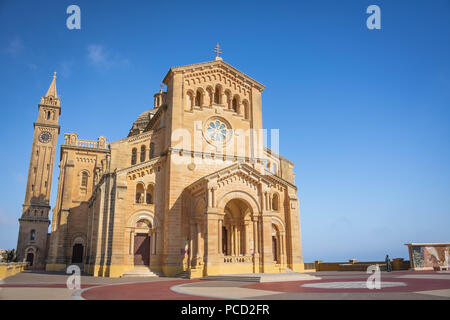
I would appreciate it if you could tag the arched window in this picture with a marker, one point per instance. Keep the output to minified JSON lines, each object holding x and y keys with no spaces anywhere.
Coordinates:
{"x":199,"y":98}
{"x":235,"y":104}
{"x":228,"y":99}
{"x":143,"y":151}
{"x":48,"y":115}
{"x":152,"y":150}
{"x":84,"y":179}
{"x":275,"y":202}
{"x":139,"y":193}
{"x":210,"y":93}
{"x":143,"y":223}
{"x":218,"y":94}
{"x":149,"y":194}
{"x":189,"y":101}
{"x":133,"y":156}
{"x":32,"y":235}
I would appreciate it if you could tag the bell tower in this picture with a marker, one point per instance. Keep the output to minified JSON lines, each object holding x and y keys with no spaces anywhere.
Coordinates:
{"x":34,"y":222}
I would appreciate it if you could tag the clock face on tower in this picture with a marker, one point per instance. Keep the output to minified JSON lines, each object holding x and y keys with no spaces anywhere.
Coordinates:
{"x":45,"y":137}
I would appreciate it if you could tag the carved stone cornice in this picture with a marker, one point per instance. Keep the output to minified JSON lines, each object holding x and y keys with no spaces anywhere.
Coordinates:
{"x":219,"y":64}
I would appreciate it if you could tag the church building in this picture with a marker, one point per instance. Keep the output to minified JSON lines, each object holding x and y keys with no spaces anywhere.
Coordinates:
{"x":191,"y":190}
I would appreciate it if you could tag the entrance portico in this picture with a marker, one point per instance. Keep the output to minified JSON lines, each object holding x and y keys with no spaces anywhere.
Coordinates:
{"x":236,"y":229}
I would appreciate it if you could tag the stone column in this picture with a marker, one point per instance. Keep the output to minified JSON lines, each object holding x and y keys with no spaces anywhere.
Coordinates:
{"x":266,"y":243}
{"x":255,"y":236}
{"x":223,"y":98}
{"x":238,"y":239}
{"x":229,"y":244}
{"x":198,"y":240}
{"x":235,"y":240}
{"x":220,"y":236}
{"x":247,"y":251}
{"x":131,"y":242}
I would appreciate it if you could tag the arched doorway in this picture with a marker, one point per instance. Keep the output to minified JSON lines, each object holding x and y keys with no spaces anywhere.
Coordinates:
{"x":236,"y":228}
{"x":30,"y":258}
{"x":142,"y":243}
{"x":77,"y":253}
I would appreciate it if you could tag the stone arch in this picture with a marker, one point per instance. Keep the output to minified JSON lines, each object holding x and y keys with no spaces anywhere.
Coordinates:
{"x":31,"y":253}
{"x":228,"y":96}
{"x":275,"y":201}
{"x":150,"y":193}
{"x":133,"y":219}
{"x":199,"y":97}
{"x":235,"y":103}
{"x":78,"y":237}
{"x":218,"y":94}
{"x":133,"y":156}
{"x":209,"y":95}
{"x":140,"y":192}
{"x":153,"y":232}
{"x":189,"y":103}
{"x":243,"y":195}
{"x":78,"y":247}
{"x":279,"y":224}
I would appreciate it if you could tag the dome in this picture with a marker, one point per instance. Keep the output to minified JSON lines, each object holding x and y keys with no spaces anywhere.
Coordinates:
{"x":141,"y":122}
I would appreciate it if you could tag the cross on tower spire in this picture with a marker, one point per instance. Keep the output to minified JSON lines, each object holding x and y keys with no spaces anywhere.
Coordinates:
{"x":218,"y":52}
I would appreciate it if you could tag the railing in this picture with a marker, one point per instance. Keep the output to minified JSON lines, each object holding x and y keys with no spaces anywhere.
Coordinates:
{"x":72,"y":140}
{"x":238,"y":259}
{"x":87,"y":143}
{"x":310,"y":265}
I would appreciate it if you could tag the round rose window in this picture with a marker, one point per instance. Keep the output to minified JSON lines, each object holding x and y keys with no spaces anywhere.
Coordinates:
{"x":216,"y":131}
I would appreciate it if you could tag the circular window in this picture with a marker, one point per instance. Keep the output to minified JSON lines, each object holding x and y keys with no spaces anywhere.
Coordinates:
{"x":217,"y":130}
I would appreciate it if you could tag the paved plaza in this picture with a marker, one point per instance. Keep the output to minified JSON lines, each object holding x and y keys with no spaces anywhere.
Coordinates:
{"x":327,"y":285}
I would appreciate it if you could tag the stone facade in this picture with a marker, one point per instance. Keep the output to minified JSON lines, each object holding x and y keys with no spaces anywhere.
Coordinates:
{"x":190,"y":189}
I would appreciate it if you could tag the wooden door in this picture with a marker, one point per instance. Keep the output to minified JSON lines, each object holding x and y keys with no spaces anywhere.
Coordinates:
{"x":142,"y":249}
{"x":30,"y":258}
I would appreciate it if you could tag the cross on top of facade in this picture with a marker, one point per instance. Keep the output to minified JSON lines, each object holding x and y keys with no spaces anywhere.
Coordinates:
{"x":218,"y":52}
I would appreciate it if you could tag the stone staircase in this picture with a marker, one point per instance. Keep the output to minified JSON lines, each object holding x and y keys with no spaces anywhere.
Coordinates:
{"x":184,"y":275}
{"x":140,"y":271}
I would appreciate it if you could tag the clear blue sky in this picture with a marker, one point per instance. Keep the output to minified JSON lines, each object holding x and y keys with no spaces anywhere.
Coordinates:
{"x":363,"y":114}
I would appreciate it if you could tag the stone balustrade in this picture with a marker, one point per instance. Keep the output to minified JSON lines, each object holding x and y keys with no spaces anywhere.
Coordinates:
{"x":238,"y":259}
{"x":10,"y":269}
{"x":71,"y":139}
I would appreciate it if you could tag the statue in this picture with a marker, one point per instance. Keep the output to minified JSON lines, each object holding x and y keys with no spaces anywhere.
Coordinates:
{"x":388,"y":264}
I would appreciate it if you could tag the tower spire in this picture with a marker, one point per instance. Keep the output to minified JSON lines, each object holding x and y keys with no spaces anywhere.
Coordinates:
{"x":52,"y":89}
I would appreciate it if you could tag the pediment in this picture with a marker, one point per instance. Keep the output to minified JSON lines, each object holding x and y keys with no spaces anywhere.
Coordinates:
{"x":219,"y":69}
{"x":236,"y":172}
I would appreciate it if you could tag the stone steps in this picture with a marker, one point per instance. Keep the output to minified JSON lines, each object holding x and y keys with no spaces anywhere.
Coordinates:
{"x":184,"y":275}
{"x":141,"y":271}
